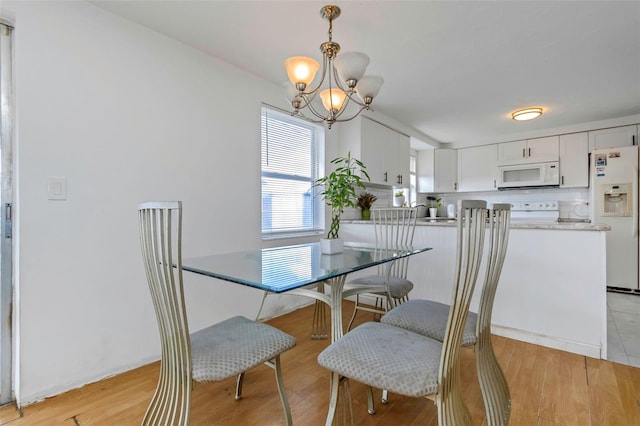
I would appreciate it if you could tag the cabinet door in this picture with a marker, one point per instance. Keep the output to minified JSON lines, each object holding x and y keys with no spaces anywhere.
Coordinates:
{"x":403,"y":161}
{"x":511,"y":152}
{"x":543,"y":149}
{"x":574,"y":160}
{"x":613,"y":138}
{"x":389,"y":154}
{"x":446,"y":170}
{"x":477,"y":168}
{"x":372,"y":150}
{"x":426,"y":171}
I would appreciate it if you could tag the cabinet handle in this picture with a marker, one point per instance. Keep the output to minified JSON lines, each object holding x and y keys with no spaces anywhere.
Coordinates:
{"x":529,"y":152}
{"x":633,"y":140}
{"x":562,"y":180}
{"x":385,"y":176}
{"x":399,"y":179}
{"x":523,"y":154}
{"x":494,"y":183}
{"x":455,"y":186}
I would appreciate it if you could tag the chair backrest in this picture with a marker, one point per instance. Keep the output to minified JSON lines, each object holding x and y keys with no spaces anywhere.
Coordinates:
{"x":493,"y":383}
{"x":394,"y":227}
{"x":470,"y":241}
{"x":160,"y":227}
{"x":499,"y":220}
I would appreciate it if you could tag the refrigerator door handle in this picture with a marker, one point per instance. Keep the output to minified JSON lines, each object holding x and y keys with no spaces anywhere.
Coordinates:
{"x":634,"y":226}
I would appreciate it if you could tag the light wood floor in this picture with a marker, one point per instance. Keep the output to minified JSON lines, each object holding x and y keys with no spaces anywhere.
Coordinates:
{"x":548,"y":387}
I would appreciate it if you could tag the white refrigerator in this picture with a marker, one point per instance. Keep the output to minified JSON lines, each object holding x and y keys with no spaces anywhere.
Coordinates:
{"x":614,"y":201}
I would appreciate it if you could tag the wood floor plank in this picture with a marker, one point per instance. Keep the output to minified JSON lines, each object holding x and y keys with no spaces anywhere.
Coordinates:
{"x":525,"y":376}
{"x":613,"y":395}
{"x":565,"y":395}
{"x":545,"y":386}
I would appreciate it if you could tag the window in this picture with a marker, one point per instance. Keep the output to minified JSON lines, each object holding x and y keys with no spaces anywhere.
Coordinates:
{"x":413,"y":193}
{"x":292,"y":159}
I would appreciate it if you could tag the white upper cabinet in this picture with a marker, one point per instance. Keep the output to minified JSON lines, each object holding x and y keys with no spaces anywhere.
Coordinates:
{"x":384,"y":152}
{"x":437,"y":170}
{"x":445,"y":170}
{"x":574,"y":160}
{"x":425,"y":170}
{"x":613,"y":137}
{"x":477,"y":168}
{"x":529,"y":151}
{"x":403,"y":162}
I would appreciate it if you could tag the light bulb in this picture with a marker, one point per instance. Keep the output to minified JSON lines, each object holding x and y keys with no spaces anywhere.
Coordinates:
{"x":332,"y":99}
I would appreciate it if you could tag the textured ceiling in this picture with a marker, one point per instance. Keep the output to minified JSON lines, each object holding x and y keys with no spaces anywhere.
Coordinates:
{"x":453,"y":70}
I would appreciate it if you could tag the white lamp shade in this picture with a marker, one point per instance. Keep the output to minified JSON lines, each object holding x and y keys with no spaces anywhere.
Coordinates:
{"x":351,"y":65}
{"x":526,"y":114}
{"x":332,"y":99}
{"x":301,"y":69}
{"x":369,"y":86}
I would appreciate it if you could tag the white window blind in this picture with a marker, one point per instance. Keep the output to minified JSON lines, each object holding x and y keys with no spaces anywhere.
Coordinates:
{"x":291,"y":151}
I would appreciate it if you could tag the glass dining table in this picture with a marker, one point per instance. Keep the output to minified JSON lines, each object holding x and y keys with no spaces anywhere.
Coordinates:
{"x":303,"y":270}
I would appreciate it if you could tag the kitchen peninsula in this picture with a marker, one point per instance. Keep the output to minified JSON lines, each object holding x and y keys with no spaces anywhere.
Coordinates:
{"x":552,"y":290}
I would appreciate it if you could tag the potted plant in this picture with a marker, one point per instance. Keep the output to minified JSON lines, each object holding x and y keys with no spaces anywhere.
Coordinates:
{"x":340,"y":192}
{"x":365,"y":201}
{"x":433,"y":204}
{"x":398,"y":199}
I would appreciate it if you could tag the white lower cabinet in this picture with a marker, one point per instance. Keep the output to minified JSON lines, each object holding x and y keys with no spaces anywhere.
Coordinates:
{"x":478,"y":168}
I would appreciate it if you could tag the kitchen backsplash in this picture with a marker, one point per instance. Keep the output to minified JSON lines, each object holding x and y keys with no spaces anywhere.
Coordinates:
{"x":385,"y":198}
{"x":569,"y":195}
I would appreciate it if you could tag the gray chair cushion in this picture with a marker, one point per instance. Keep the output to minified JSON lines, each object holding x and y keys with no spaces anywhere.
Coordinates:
{"x":398,"y":287}
{"x":233,"y":346}
{"x":428,"y":318}
{"x":386,"y":357}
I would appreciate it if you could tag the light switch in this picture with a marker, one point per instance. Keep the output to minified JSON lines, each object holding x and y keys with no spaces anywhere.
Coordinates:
{"x":56,"y":188}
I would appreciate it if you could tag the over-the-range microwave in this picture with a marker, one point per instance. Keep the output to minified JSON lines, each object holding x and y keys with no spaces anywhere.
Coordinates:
{"x":529,"y":175}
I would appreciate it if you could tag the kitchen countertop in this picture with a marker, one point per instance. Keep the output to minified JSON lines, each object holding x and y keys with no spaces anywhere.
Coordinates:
{"x":564,"y":226}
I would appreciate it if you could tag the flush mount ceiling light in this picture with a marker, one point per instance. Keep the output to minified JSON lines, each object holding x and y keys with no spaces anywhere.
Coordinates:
{"x":343,"y":74}
{"x":526,"y":114}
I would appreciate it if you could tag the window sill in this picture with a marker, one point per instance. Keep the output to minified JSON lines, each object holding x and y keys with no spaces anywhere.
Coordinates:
{"x":285,"y":235}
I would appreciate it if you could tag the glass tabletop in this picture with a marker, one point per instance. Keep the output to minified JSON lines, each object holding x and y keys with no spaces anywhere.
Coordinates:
{"x":281,"y":269}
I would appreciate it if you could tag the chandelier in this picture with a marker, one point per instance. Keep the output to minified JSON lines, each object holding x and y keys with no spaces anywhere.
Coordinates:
{"x":343,"y":73}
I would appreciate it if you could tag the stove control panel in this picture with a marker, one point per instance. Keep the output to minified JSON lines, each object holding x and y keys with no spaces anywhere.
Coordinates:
{"x":531,"y":206}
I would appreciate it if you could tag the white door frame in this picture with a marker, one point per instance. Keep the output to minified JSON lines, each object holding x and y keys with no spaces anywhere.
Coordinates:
{"x":6,"y":203}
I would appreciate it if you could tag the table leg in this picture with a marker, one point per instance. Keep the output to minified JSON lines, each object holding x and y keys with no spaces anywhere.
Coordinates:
{"x":337,"y":286}
{"x":319,"y":326}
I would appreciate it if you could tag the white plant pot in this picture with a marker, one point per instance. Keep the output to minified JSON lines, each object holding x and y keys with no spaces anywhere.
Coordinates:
{"x":398,"y":201}
{"x":331,"y":246}
{"x":433,"y":211}
{"x":331,"y":261}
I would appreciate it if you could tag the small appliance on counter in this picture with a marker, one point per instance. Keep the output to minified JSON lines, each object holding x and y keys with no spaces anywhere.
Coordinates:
{"x":451,"y":210}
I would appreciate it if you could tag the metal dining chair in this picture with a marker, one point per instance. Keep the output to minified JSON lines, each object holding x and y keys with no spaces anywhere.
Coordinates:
{"x":388,"y":357}
{"x":429,"y":318}
{"x":214,"y":353}
{"x":393,"y":227}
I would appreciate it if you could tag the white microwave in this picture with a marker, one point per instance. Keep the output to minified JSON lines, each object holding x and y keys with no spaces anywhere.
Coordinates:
{"x":529,"y":175}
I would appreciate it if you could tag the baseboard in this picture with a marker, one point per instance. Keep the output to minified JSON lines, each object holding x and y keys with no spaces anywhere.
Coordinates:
{"x":548,"y":341}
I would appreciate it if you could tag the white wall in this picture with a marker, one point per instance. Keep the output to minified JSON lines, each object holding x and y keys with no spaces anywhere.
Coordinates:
{"x":126,"y":115}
